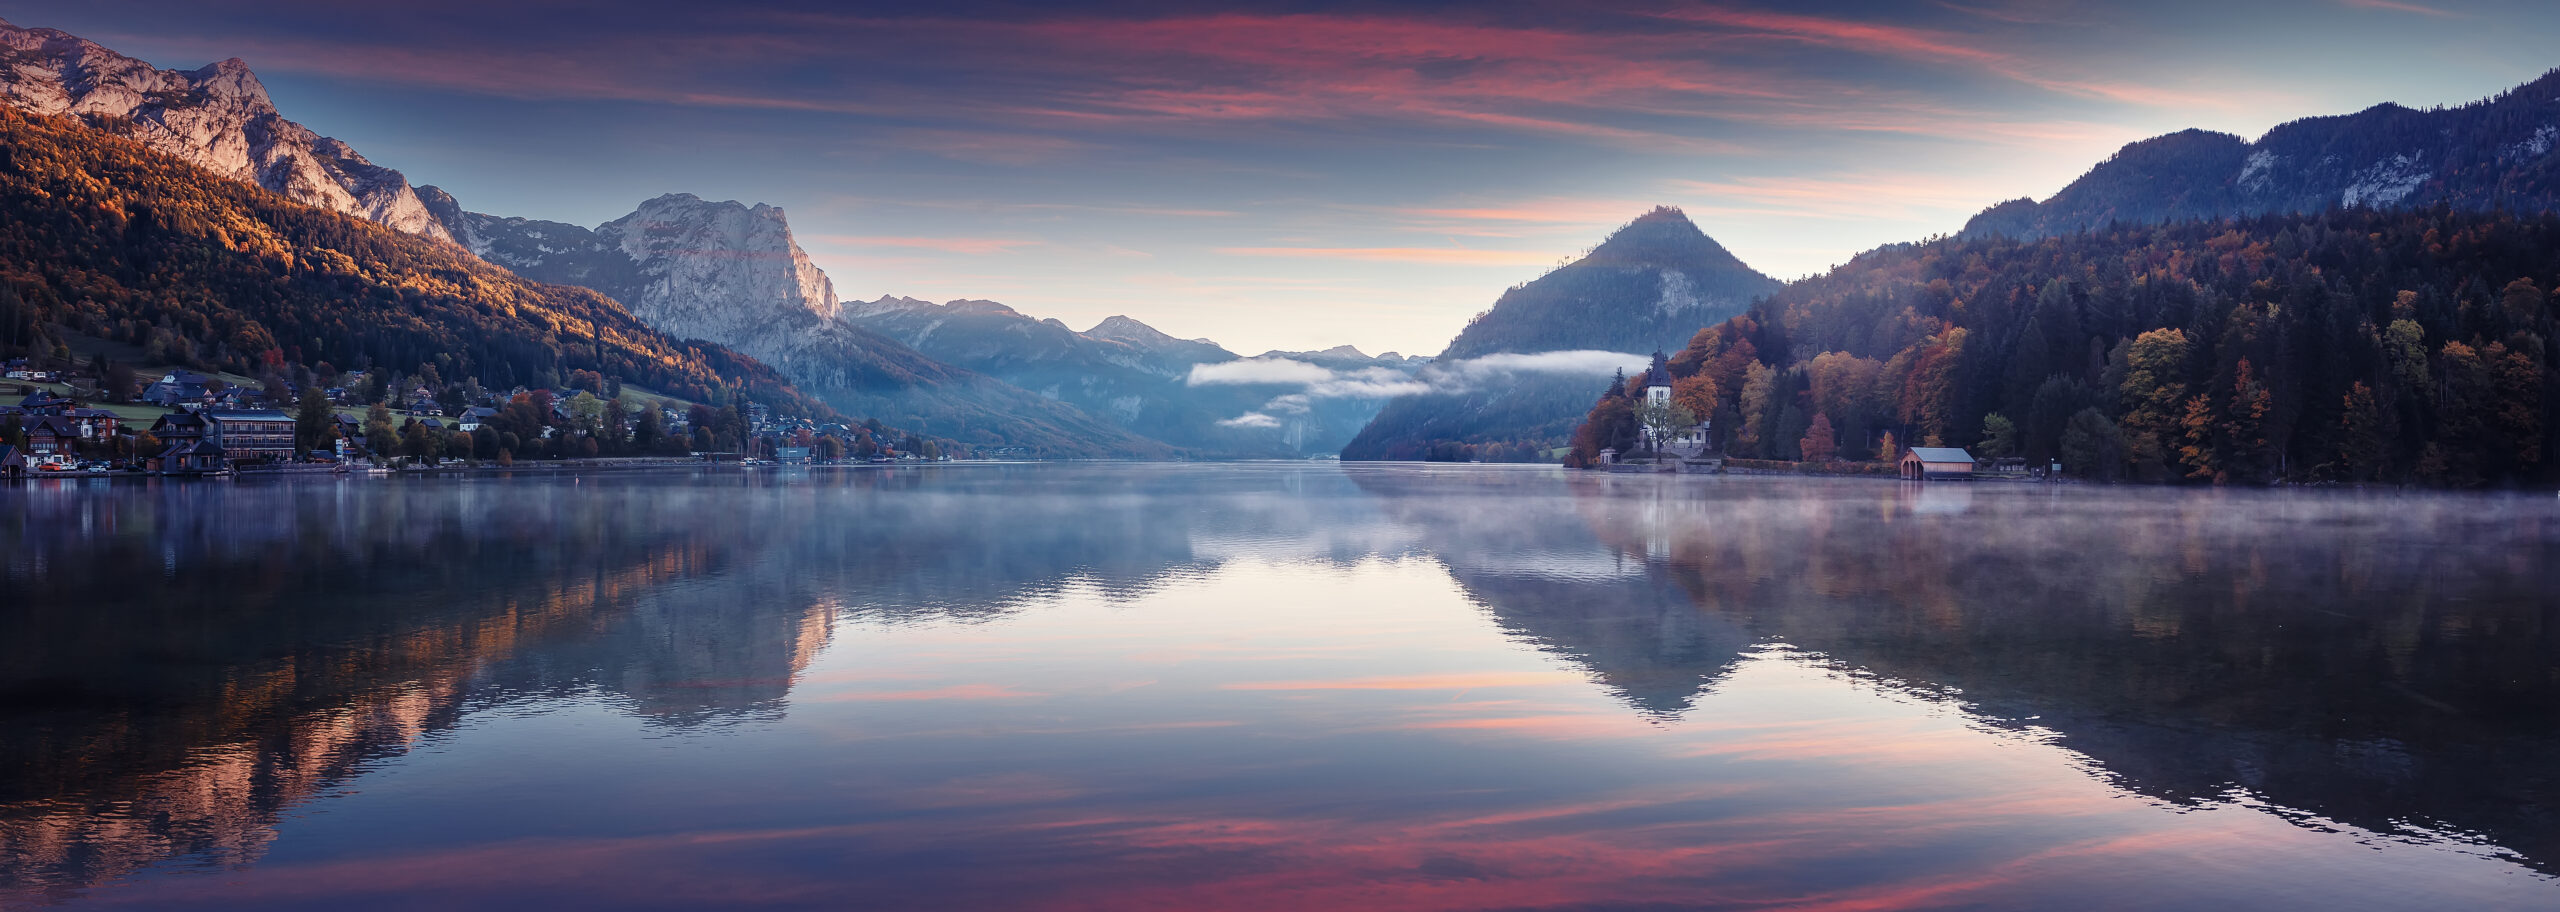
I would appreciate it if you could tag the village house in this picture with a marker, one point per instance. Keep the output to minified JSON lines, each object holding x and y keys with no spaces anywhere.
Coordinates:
{"x":189,"y":457}
{"x":176,"y":388}
{"x":94,"y":424}
{"x":258,"y":434}
{"x":181,"y":426}
{"x":51,"y":435}
{"x":239,"y":398}
{"x":20,"y":369}
{"x":1937,"y":463}
{"x":41,"y":402}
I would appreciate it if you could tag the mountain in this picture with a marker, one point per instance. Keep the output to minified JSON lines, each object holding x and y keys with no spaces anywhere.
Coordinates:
{"x":2495,"y":154}
{"x":2355,"y":345}
{"x":103,"y":236}
{"x":218,"y":118}
{"x":731,"y":273}
{"x":693,"y":269}
{"x":1649,"y":287}
{"x":1129,"y":373}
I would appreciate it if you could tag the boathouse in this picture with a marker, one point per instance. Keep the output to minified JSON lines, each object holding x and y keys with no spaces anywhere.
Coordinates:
{"x":1934,"y":463}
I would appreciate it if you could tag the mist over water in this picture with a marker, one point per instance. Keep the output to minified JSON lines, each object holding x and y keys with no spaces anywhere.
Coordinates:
{"x":1279,"y":686}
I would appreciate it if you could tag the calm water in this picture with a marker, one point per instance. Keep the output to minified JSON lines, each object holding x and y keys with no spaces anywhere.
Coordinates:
{"x":1273,"y":687}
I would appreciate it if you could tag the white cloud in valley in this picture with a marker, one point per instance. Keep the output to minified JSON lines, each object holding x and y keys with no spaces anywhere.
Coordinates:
{"x":1315,"y":381}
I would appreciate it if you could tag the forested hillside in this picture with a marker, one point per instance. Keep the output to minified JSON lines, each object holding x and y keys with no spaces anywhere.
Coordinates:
{"x":102,"y":236}
{"x":2355,"y":345}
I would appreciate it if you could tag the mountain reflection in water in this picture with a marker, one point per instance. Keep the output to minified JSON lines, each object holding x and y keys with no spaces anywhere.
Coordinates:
{"x":1273,"y":686}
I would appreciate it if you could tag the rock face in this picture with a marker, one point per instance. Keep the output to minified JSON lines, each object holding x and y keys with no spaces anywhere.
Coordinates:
{"x":1649,"y":287}
{"x":721,"y":272}
{"x":217,"y":117}
{"x":717,"y":270}
{"x":2492,"y":154}
{"x":729,"y":273}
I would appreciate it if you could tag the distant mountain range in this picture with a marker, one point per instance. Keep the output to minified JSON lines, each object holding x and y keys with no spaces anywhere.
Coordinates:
{"x":1649,"y":287}
{"x":731,"y":273}
{"x":1511,"y":384}
{"x":1134,"y":375}
{"x":102,"y":237}
{"x":721,"y":272}
{"x":2490,"y":154}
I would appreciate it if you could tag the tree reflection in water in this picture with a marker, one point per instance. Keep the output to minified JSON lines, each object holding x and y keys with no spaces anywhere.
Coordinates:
{"x":183,"y":666}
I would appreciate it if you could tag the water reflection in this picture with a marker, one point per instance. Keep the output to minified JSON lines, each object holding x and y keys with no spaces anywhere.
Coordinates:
{"x":2388,"y":661}
{"x":1284,"y":686}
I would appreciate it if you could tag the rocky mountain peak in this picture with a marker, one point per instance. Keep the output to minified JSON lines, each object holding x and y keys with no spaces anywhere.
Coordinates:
{"x":217,"y":117}
{"x":885,"y":304}
{"x":717,"y":270}
{"x":978,"y":306}
{"x":1121,"y":328}
{"x":232,"y":80}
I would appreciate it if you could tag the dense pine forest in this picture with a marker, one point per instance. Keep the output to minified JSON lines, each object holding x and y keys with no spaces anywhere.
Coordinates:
{"x":101,"y":236}
{"x":2352,"y":346}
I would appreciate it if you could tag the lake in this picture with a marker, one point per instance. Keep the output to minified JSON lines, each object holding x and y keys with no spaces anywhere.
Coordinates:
{"x":1272,"y":686}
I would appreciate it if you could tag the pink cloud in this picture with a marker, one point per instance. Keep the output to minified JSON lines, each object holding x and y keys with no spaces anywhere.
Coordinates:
{"x":2400,"y":7}
{"x":972,"y":246}
{"x":1442,"y":255}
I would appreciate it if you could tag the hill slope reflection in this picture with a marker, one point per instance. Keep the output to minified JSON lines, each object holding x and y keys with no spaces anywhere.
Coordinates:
{"x":179,"y":664}
{"x":186,"y":664}
{"x":2387,"y":661}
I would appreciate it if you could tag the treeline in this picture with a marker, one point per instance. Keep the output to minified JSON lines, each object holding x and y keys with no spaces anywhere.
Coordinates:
{"x":2356,"y":346}
{"x":533,"y":425}
{"x":101,"y":236}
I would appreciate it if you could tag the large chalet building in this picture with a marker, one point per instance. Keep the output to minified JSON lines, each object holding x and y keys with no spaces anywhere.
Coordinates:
{"x":242,"y":436}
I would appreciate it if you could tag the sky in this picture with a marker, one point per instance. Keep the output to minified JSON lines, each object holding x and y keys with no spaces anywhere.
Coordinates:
{"x":1302,"y":175}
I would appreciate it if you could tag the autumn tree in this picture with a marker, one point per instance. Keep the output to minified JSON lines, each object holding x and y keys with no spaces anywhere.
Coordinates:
{"x":1697,"y":393}
{"x":2241,"y":435}
{"x":2155,"y":397}
{"x":1817,"y":444}
{"x":1759,"y":390}
{"x":419,"y":443}
{"x":380,"y":437}
{"x":314,"y":424}
{"x":2521,"y":300}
